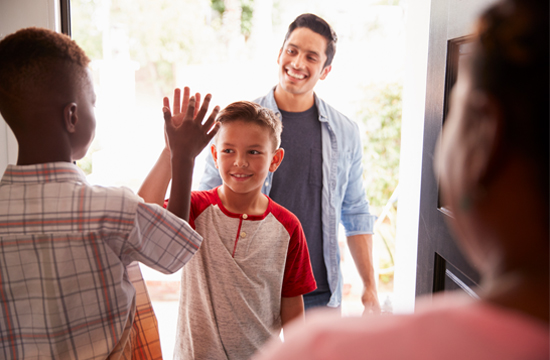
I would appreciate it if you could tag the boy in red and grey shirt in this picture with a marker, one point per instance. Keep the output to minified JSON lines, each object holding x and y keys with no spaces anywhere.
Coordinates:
{"x":247,"y":280}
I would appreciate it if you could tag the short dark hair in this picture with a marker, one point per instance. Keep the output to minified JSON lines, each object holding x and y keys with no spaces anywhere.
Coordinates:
{"x":253,"y":113}
{"x":321,"y":27}
{"x":37,"y":60}
{"x":510,"y":62}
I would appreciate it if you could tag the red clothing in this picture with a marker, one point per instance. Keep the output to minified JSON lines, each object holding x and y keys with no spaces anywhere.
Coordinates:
{"x":231,"y":291}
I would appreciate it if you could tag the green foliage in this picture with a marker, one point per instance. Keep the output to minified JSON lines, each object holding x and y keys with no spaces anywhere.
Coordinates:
{"x":247,"y":10}
{"x":218,"y":5}
{"x":382,"y":119}
{"x":246,"y":17}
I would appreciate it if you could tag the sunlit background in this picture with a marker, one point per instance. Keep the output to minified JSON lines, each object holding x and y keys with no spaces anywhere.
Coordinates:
{"x":141,"y":50}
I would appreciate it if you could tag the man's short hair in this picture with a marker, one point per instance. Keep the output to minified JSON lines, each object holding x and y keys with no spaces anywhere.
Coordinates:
{"x":321,"y":27}
{"x":38,"y":60}
{"x":250,"y":112}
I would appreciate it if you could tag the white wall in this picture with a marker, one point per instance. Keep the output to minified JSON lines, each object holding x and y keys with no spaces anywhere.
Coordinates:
{"x":417,"y":26}
{"x":14,"y":15}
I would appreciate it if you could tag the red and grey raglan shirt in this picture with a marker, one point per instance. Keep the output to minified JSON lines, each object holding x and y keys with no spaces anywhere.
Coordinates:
{"x":230,"y":301}
{"x":69,"y":284}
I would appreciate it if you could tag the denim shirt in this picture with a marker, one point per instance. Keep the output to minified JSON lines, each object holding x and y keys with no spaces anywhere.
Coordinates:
{"x":343,"y":194}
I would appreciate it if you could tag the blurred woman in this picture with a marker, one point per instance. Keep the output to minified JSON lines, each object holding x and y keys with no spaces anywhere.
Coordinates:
{"x":494,"y":168}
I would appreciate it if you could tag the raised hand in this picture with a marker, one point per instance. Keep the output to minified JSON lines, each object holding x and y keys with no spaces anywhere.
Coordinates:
{"x":185,"y":131}
{"x":184,"y":102}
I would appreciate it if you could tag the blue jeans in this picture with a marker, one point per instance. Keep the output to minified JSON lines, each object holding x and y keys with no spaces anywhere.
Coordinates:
{"x":317,"y":300}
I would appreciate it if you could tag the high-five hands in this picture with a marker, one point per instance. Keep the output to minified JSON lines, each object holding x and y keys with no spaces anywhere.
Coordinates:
{"x":185,"y":132}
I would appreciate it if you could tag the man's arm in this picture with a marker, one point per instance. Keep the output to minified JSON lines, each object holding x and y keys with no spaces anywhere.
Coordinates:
{"x":292,"y":308}
{"x":359,"y":223}
{"x":360,"y":247}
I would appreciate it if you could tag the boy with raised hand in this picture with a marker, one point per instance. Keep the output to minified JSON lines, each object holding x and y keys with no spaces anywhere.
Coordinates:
{"x":64,"y":285}
{"x":321,"y":180}
{"x":248,"y":278}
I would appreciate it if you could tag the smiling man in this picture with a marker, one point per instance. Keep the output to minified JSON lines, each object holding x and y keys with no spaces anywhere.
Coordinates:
{"x":320,"y":180}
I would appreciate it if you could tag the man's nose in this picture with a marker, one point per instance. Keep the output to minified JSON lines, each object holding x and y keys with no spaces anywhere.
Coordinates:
{"x":298,"y":61}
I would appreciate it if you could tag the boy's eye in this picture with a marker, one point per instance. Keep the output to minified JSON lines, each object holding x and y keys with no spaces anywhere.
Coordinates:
{"x":290,"y":51}
{"x":254,"y":152}
{"x":227,"y":151}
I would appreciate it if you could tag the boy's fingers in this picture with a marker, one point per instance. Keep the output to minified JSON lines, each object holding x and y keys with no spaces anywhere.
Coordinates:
{"x":167,"y":116}
{"x":177,"y":101}
{"x":186,"y":93}
{"x":213,"y":130}
{"x":197,"y":104}
{"x":190,"y":108}
{"x":165,"y":103}
{"x":204,"y":108}
{"x":212,"y":118}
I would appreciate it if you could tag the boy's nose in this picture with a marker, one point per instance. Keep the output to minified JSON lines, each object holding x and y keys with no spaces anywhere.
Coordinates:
{"x":241,"y":161}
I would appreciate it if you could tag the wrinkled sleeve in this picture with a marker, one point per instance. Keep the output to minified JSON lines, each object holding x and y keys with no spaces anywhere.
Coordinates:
{"x":211,"y":177}
{"x":355,"y":214}
{"x":160,"y":239}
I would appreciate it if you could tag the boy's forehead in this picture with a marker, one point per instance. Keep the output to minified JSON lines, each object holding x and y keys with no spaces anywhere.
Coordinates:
{"x":244,"y":125}
{"x":230,"y":131}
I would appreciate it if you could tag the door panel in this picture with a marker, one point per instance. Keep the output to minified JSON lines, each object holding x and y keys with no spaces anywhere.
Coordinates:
{"x":440,"y":264}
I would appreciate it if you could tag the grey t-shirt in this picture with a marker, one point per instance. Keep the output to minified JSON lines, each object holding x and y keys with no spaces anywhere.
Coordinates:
{"x":298,"y":182}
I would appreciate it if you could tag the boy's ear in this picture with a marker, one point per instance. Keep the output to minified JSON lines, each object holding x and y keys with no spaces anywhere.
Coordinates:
{"x":70,"y":117}
{"x":214,"y":152}
{"x":276,"y":160}
{"x":279,"y":57}
{"x":325,"y":71}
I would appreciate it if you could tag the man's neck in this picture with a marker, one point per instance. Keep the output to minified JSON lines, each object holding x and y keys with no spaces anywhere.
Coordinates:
{"x":293,"y":102}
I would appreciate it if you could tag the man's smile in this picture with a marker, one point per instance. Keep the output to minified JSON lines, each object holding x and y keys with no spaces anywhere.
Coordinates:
{"x":295,"y":74}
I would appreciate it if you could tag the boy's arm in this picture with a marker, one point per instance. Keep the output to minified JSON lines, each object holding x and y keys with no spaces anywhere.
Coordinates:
{"x":153,"y":189}
{"x":187,"y":135}
{"x":292,"y":308}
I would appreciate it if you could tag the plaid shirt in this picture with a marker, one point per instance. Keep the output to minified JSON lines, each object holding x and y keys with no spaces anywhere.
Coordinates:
{"x":67,"y":282}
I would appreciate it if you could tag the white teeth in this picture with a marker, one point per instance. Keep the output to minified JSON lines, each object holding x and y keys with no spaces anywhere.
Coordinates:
{"x":240,"y":175}
{"x":295,"y":75}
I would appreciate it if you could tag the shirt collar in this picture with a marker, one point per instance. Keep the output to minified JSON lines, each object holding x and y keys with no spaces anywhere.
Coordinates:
{"x":43,"y":173}
{"x":321,"y":108}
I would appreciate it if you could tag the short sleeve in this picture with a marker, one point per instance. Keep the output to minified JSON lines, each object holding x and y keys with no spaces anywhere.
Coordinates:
{"x":160,"y":239}
{"x":298,"y":277}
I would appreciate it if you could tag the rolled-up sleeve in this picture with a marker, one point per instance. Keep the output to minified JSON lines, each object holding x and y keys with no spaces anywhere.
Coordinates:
{"x":355,"y":214}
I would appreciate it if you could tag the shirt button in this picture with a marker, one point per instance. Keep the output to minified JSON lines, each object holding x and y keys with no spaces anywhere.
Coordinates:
{"x":266,"y":183}
{"x":245,"y":216}
{"x":243,"y":234}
